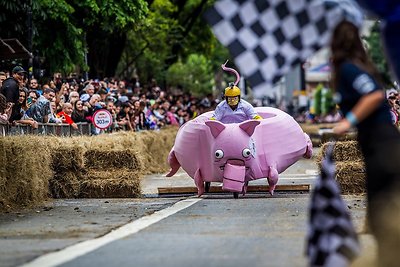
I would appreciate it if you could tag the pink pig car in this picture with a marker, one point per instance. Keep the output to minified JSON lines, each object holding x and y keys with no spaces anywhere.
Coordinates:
{"x":234,"y":154}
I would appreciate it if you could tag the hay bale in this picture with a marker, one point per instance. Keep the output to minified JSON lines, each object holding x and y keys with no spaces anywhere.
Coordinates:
{"x":103,"y":184}
{"x":157,"y":145}
{"x":113,"y":159}
{"x":328,"y":136}
{"x":351,"y":177}
{"x":117,"y":174}
{"x":65,"y":185}
{"x":343,"y":151}
{"x":3,"y":163}
{"x":27,"y":170}
{"x":67,"y":159}
{"x":110,"y":189}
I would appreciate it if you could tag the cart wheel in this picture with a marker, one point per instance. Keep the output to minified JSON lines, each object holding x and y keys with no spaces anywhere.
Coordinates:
{"x":236,"y":195}
{"x":207,"y":187}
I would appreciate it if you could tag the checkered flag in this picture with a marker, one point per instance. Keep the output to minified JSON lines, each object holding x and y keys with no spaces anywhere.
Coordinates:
{"x":267,"y":38}
{"x":332,"y":240}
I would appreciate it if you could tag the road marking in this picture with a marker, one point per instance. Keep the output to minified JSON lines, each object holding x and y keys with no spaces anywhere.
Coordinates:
{"x":308,"y":177}
{"x":77,"y":250}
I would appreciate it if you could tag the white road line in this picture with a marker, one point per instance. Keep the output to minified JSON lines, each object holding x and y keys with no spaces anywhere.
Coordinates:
{"x":298,"y":178}
{"x":74,"y":251}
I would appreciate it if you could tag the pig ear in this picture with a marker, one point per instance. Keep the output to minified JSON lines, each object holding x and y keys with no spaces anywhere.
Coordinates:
{"x":216,"y":127}
{"x":249,"y":126}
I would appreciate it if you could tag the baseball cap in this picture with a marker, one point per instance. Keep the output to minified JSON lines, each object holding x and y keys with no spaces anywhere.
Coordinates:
{"x":18,"y":69}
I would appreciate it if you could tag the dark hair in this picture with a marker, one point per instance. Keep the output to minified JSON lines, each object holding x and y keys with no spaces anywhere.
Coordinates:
{"x":75,"y":103}
{"x":3,"y":103}
{"x":346,"y":45}
{"x":48,"y":90}
{"x":35,"y":92}
{"x":25,"y":91}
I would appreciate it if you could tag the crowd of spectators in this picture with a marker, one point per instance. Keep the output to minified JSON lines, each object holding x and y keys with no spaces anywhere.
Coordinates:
{"x":134,"y":107}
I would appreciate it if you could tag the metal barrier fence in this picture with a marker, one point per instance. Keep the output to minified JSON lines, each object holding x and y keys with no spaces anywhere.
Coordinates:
{"x":61,"y":129}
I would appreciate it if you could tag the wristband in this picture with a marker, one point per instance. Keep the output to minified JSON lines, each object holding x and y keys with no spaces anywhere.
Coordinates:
{"x":351,"y":118}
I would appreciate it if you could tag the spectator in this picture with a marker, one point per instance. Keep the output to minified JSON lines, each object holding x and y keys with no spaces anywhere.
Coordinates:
{"x":123,"y":117}
{"x":394,"y":107}
{"x":5,"y":110}
{"x":65,"y":115}
{"x":34,"y":85}
{"x":171,"y":117}
{"x":122,"y":90}
{"x":139,"y":117}
{"x":41,"y":109}
{"x":103,"y":95}
{"x":33,"y":95}
{"x":21,"y":117}
{"x":73,"y":97}
{"x":10,"y":89}
{"x":90,"y":106}
{"x":53,"y":115}
{"x":110,"y":106}
{"x":79,"y":114}
{"x":63,"y":95}
{"x":2,"y":77}
{"x":207,"y":101}
{"x":89,"y":89}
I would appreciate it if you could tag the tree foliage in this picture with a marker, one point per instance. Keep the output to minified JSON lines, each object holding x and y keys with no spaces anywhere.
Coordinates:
{"x":376,"y":52}
{"x":59,"y":27}
{"x":194,"y":75}
{"x":147,"y":38}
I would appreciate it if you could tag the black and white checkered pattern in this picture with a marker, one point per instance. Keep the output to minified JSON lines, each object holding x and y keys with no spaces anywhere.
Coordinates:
{"x":267,"y":37}
{"x":331,"y":240}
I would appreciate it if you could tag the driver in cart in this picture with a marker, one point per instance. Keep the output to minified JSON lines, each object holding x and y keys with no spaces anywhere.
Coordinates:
{"x":234,"y":109}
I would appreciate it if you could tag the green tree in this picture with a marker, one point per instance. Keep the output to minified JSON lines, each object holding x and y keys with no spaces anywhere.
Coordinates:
{"x":59,"y":28}
{"x":194,"y":76}
{"x":143,"y":37}
{"x":165,"y":36}
{"x":376,"y":52}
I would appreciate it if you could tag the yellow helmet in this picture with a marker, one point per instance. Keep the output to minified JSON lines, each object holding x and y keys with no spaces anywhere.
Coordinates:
{"x":232,"y":91}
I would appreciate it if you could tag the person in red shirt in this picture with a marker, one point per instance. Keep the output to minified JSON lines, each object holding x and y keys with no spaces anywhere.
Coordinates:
{"x":65,"y":115}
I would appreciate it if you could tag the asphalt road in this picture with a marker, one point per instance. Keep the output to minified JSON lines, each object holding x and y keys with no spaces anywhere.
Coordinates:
{"x":215,"y":230}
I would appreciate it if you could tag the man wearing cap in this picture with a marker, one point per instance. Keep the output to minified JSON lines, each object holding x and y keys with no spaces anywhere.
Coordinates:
{"x":10,"y":88}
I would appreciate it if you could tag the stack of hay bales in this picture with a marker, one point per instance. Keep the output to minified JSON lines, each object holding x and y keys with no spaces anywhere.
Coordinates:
{"x":109,"y":165}
{"x":68,"y":166}
{"x":35,"y":168}
{"x":25,"y":171}
{"x":111,"y":173}
{"x":350,"y":168}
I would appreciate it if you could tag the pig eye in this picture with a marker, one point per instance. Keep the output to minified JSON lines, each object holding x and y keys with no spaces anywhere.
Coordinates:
{"x":219,"y":154}
{"x":246,"y":152}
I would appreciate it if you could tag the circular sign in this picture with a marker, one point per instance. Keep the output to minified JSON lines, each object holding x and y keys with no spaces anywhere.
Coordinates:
{"x":102,"y":119}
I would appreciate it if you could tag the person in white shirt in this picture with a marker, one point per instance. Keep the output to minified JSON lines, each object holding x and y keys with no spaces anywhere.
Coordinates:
{"x":234,"y":109}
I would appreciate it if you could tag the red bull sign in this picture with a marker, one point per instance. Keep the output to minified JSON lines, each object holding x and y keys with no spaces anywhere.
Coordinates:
{"x":102,"y":119}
